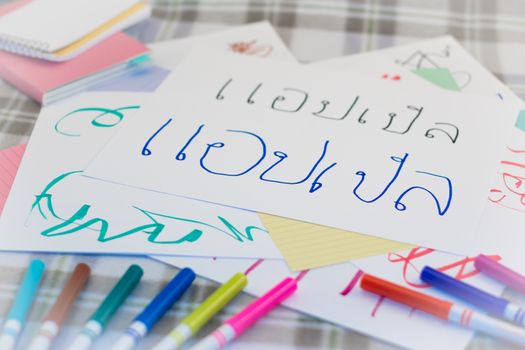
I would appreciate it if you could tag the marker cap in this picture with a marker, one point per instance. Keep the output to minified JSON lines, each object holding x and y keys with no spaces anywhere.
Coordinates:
{"x":500,"y":272}
{"x":27,"y":291}
{"x":118,"y":294}
{"x":215,"y":302}
{"x":72,"y":288}
{"x":470,"y":294}
{"x":263,"y":305}
{"x":165,"y":299}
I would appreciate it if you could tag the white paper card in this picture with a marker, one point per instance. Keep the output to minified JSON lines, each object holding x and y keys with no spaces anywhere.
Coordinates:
{"x":270,"y":137}
{"x":255,"y":39}
{"x":441,"y":52}
{"x":500,"y":230}
{"x":52,"y":208}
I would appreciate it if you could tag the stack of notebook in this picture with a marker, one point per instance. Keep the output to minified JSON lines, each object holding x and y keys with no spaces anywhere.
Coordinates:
{"x":77,"y":44}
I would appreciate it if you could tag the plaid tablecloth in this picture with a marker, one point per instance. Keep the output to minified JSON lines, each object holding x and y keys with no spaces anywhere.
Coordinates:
{"x":493,"y":31}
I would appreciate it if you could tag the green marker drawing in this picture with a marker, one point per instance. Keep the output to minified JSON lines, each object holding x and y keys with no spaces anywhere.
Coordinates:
{"x":154,"y":226}
{"x":96,"y":120}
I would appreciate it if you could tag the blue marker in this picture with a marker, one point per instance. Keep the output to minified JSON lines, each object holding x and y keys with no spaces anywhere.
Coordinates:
{"x":145,"y":321}
{"x":492,"y":304}
{"x":24,"y":299}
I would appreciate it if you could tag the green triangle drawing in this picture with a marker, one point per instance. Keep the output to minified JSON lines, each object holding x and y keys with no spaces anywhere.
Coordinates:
{"x":438,"y":76}
{"x":520,"y":122}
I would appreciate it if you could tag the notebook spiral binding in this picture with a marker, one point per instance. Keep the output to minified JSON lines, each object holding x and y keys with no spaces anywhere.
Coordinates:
{"x":23,"y":46}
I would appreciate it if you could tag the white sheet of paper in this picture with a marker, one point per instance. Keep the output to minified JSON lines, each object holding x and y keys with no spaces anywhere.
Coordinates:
{"x":500,"y":229}
{"x":249,"y":109}
{"x":52,"y":208}
{"x":255,"y":39}
{"x":445,"y":51}
{"x":219,"y":225}
{"x":333,"y":294}
{"x":391,"y":320}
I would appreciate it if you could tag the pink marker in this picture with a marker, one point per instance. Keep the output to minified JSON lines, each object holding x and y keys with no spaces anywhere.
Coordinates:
{"x":239,"y":323}
{"x":500,"y":272}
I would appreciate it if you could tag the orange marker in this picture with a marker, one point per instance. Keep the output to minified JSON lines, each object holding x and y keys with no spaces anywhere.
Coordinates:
{"x":60,"y":309}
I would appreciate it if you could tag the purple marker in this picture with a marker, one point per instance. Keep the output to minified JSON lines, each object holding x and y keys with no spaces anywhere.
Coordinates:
{"x":501,"y":273}
{"x":487,"y":302}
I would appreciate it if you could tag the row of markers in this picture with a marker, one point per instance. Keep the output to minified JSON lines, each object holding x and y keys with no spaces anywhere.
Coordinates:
{"x":145,"y":321}
{"x":236,"y":325}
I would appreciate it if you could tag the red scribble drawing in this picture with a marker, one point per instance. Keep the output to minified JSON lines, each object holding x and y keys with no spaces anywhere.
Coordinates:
{"x":395,"y":77}
{"x":376,"y":307}
{"x":513,"y":150}
{"x":352,"y":284}
{"x":251,"y":48}
{"x":463,"y":268}
{"x":301,"y":275}
{"x":253,"y":266}
{"x":511,"y":192}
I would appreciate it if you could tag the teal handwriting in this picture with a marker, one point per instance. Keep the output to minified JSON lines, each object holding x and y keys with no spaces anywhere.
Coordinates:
{"x":154,"y":225}
{"x":114,"y":117}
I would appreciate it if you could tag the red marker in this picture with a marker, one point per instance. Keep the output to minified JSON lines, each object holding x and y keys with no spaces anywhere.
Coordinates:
{"x":443,"y":309}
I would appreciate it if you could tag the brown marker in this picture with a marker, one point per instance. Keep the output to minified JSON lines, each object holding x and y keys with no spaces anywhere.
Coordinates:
{"x":60,"y":309}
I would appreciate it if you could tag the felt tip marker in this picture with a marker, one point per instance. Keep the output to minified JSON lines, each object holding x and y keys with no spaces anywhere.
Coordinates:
{"x":485,"y":301}
{"x":239,"y":323}
{"x":17,"y":314}
{"x":443,"y":309}
{"x":500,"y":273}
{"x":56,"y":316}
{"x":145,"y":321}
{"x":192,"y":323}
{"x":97,"y":322}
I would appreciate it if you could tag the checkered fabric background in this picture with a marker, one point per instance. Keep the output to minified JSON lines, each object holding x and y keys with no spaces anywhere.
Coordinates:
{"x":492,"y":30}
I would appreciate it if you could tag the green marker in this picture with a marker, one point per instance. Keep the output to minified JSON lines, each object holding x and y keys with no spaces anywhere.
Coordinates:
{"x":198,"y":318}
{"x":96,"y":323}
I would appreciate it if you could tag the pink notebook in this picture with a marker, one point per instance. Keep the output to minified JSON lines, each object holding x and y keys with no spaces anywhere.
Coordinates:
{"x":47,"y":82}
{"x":12,"y":6}
{"x":10,"y":159}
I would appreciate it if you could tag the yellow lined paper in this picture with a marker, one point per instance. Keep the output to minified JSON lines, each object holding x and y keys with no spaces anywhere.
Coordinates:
{"x":305,"y":246}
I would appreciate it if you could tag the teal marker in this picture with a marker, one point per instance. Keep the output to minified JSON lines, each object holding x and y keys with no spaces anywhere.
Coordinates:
{"x":24,"y":299}
{"x":96,"y":323}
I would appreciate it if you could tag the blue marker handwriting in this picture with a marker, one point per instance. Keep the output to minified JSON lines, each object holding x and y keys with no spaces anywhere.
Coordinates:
{"x":320,"y":166}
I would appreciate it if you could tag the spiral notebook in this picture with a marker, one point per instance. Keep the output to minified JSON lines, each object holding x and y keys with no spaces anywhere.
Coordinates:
{"x":58,"y":30}
{"x":48,"y":82}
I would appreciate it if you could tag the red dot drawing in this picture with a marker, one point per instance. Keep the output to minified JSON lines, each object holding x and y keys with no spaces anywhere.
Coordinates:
{"x":393,"y":77}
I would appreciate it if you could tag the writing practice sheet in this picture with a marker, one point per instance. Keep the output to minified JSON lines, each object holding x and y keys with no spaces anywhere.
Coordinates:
{"x":501,"y":224}
{"x":52,"y":207}
{"x":130,"y":221}
{"x":305,"y":245}
{"x":400,"y":266}
{"x":339,"y":153}
{"x":302,"y":244}
{"x":439,"y":61}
